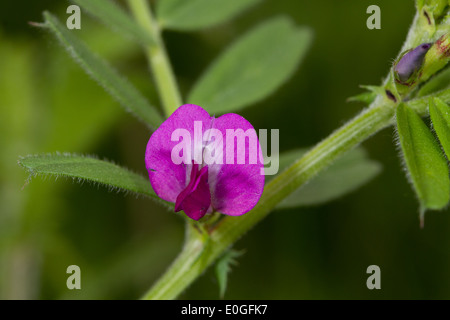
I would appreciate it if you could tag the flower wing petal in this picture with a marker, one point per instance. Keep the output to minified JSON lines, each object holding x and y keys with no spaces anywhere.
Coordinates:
{"x":236,"y":188}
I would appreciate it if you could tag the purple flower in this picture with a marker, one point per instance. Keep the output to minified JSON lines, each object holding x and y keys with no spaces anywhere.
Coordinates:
{"x":221,"y":168}
{"x":411,"y":62}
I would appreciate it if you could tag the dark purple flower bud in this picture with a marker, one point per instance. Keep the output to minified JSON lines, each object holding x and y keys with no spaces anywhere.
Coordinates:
{"x":411,"y":62}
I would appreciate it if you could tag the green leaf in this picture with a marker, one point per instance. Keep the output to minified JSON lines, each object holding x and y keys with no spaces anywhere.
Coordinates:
{"x":365,"y":97}
{"x":187,"y":15}
{"x":223,"y":267}
{"x":89,"y":169}
{"x":369,"y":96}
{"x":108,"y":12}
{"x":421,"y":105}
{"x":425,"y":162}
{"x":253,"y":67}
{"x":440,"y":117}
{"x":437,"y":83}
{"x":344,"y":176}
{"x":119,"y":88}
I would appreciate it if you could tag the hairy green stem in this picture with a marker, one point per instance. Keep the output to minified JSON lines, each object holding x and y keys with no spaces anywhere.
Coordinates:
{"x":157,"y":57}
{"x":198,"y":254}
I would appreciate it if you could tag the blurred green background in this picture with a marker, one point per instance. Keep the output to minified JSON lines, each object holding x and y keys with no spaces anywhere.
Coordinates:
{"x":122,"y":244}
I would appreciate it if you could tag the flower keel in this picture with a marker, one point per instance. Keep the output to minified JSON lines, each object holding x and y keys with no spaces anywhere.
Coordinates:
{"x":195,"y":199}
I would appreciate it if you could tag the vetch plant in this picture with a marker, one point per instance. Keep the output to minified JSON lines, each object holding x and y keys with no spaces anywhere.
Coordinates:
{"x":416,"y":86}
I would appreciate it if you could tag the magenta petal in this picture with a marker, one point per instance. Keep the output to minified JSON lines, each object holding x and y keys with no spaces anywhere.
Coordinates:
{"x":183,"y":194}
{"x":195,"y":199}
{"x":236,"y":188}
{"x":167,"y":178}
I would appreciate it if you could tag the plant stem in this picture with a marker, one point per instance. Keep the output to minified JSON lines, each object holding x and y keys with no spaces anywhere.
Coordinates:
{"x":197,"y":255}
{"x":157,"y":57}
